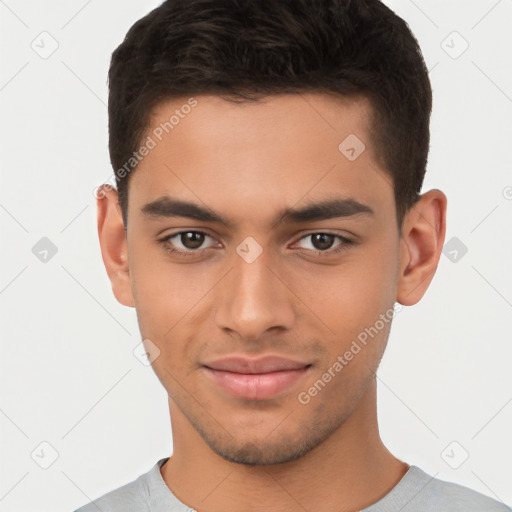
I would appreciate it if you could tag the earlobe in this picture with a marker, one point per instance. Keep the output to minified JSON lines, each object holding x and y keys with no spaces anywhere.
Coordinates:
{"x":113,"y":243}
{"x":421,"y":244}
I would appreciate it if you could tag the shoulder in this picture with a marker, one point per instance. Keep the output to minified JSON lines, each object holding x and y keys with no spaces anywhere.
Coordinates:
{"x":127,"y":498}
{"x":444,"y":495}
{"x":131,"y":497}
{"x":420,"y":492}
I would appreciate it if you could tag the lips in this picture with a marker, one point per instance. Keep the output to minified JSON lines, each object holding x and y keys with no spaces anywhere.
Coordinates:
{"x":246,"y":365}
{"x":255,"y":379}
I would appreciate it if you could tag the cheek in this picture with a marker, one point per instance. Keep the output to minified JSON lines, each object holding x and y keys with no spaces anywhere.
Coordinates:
{"x":168,"y":298}
{"x":375,"y":275}
{"x":352,"y":302}
{"x":353,"y":294}
{"x":164,"y":292}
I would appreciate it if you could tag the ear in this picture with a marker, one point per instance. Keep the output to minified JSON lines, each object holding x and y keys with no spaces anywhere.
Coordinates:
{"x":114,"y":247}
{"x":422,"y":240}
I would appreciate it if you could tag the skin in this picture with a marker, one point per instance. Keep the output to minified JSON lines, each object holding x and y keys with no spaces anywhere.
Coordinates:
{"x":248,"y":162}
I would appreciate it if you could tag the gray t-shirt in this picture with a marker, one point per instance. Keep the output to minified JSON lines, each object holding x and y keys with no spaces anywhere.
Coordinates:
{"x":415,"y":492}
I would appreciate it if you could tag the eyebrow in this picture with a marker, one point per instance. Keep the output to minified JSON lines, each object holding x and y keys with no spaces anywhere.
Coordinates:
{"x":167,"y":207}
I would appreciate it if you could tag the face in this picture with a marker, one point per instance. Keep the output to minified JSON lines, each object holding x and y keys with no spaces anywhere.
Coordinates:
{"x":270,"y":314}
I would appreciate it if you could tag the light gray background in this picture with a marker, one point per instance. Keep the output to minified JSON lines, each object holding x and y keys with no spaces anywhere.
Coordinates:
{"x":68,"y":373}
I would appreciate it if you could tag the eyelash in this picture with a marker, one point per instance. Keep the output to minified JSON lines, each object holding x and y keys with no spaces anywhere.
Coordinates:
{"x":345,"y":245}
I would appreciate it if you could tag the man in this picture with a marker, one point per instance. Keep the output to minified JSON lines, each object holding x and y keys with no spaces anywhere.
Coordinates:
{"x":267,"y":223}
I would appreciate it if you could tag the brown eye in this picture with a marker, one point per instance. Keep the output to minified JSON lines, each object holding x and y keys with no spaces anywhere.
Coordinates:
{"x":186,"y":243}
{"x":192,"y":239}
{"x":322,"y":241}
{"x":328,"y":243}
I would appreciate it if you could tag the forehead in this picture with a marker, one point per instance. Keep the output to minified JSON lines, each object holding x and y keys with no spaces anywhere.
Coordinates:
{"x":307,"y":117}
{"x":249,"y":156}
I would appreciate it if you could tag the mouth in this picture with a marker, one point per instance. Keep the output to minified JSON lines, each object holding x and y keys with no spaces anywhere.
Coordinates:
{"x":256,"y":379}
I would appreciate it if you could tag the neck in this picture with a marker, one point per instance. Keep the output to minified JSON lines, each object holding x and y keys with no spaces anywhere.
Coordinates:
{"x":349,"y":471}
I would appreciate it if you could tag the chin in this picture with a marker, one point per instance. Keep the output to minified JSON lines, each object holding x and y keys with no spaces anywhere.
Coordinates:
{"x":274,"y":448}
{"x":251,"y":454}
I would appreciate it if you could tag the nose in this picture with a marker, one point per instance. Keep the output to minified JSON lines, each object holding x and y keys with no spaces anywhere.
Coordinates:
{"x":253,"y":299}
